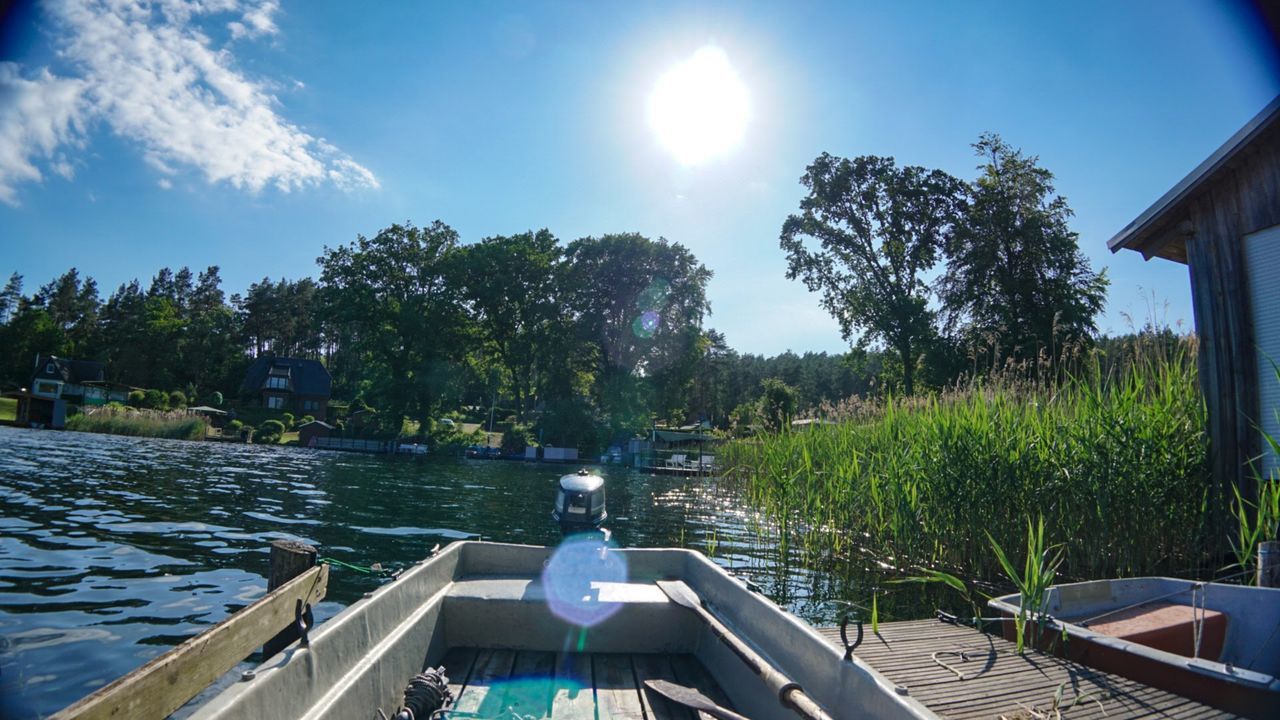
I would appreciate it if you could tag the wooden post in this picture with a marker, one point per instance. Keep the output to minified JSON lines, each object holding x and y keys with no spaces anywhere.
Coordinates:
{"x":289,"y":559}
{"x":1269,"y":564}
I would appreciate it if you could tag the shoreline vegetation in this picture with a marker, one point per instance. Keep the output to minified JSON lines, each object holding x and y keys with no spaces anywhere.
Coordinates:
{"x":139,"y":423}
{"x":1114,"y":458}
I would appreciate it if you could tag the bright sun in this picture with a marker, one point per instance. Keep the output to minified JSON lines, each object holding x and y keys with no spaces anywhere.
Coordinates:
{"x":698,"y":108}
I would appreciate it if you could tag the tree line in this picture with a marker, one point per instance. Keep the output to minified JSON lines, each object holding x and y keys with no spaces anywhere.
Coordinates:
{"x":584,"y":341}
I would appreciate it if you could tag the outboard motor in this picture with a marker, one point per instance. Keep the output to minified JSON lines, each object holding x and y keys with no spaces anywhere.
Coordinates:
{"x":580,"y":502}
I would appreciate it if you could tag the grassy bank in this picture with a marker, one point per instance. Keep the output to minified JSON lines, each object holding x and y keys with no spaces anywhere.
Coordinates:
{"x":8,"y":409}
{"x":1116,"y":461}
{"x":126,"y":421}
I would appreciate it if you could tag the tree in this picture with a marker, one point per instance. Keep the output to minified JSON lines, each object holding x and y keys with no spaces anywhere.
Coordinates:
{"x":124,"y":335}
{"x":281,"y":317}
{"x":1016,"y":277}
{"x":639,"y":303}
{"x":879,"y":228}
{"x":510,"y":284}
{"x":398,"y":296}
{"x":709,"y":399}
{"x":210,"y":353}
{"x":777,"y":404}
{"x":10,"y":297}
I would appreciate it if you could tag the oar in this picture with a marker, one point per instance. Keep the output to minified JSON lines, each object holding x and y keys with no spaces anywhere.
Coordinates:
{"x":788,"y":692}
{"x":691,"y":698}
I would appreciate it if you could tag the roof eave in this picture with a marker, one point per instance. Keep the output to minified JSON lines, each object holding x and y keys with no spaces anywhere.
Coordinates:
{"x":1138,"y":235}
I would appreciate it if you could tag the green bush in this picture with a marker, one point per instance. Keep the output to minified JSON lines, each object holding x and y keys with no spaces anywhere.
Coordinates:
{"x":155,"y":400}
{"x":269,"y":432}
{"x":306,"y":419}
{"x":287,"y":419}
{"x":515,"y":440}
{"x":214,"y":399}
{"x":177,"y":399}
{"x":451,"y":440}
{"x":233,"y":427}
{"x":137,"y":398}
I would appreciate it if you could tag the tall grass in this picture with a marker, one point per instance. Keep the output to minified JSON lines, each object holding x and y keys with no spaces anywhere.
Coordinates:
{"x":139,"y":423}
{"x":1115,"y":458}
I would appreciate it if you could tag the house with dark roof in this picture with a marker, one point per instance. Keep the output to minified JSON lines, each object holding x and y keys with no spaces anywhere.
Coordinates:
{"x":298,"y":385}
{"x":57,"y":382}
{"x":55,"y":377}
{"x":1223,"y":222}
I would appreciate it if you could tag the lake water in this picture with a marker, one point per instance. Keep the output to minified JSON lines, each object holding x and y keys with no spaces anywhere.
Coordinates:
{"x":114,"y":549}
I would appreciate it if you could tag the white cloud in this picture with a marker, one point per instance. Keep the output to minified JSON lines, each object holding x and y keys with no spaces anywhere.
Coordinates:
{"x":152,"y":75}
{"x":257,"y":21}
{"x":164,"y":183}
{"x":37,"y":116}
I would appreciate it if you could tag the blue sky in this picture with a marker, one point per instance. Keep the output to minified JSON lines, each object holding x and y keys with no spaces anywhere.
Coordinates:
{"x":251,"y":134}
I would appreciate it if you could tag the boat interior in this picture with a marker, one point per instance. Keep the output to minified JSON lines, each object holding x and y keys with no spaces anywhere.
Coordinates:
{"x":1220,"y":625}
{"x":489,"y":682}
{"x":570,"y":631}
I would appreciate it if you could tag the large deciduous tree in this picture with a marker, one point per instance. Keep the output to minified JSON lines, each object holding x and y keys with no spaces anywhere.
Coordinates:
{"x":866,"y":233}
{"x":398,"y":294}
{"x":510,"y":284}
{"x":641,"y":303}
{"x":1016,"y":278}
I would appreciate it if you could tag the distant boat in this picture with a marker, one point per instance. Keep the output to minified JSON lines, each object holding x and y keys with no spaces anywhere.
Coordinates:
{"x":1212,"y":642}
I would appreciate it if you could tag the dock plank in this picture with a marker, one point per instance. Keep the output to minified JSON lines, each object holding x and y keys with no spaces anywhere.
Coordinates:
{"x":999,"y":682}
{"x":616,"y":695}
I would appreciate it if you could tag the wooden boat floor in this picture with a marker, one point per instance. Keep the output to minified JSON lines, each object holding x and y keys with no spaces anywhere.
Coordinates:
{"x":489,"y":683}
{"x":998,"y":682}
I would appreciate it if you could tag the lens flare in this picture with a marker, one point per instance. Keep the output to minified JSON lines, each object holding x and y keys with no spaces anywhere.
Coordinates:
{"x":646,"y":325}
{"x":573,"y":576}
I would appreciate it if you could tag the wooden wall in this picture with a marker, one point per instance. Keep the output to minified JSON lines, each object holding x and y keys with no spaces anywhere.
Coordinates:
{"x":1241,"y":198}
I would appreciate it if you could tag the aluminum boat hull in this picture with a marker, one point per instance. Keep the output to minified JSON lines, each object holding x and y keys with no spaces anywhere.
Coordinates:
{"x":489,"y":595}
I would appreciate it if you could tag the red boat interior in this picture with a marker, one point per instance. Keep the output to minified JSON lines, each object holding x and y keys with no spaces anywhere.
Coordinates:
{"x":1167,"y":626}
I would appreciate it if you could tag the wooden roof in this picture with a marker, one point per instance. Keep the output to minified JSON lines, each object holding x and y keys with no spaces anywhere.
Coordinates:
{"x":1157,"y":232}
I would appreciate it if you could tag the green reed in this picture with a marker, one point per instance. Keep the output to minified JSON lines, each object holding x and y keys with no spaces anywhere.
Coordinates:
{"x":1114,"y":457}
{"x":111,"y":421}
{"x":1038,"y":571}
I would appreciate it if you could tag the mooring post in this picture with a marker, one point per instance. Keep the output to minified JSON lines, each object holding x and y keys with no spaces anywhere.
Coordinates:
{"x":1269,"y":564}
{"x":289,"y":559}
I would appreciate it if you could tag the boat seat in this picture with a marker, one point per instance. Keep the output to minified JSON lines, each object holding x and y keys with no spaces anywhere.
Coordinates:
{"x":519,"y":613}
{"x":1166,"y":626}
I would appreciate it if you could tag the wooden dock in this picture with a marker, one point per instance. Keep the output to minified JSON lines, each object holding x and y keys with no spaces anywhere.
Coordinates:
{"x":959,"y":672}
{"x":572,"y":686}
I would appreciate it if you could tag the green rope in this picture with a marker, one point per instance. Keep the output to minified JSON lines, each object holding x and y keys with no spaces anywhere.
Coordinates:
{"x":377,"y":570}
